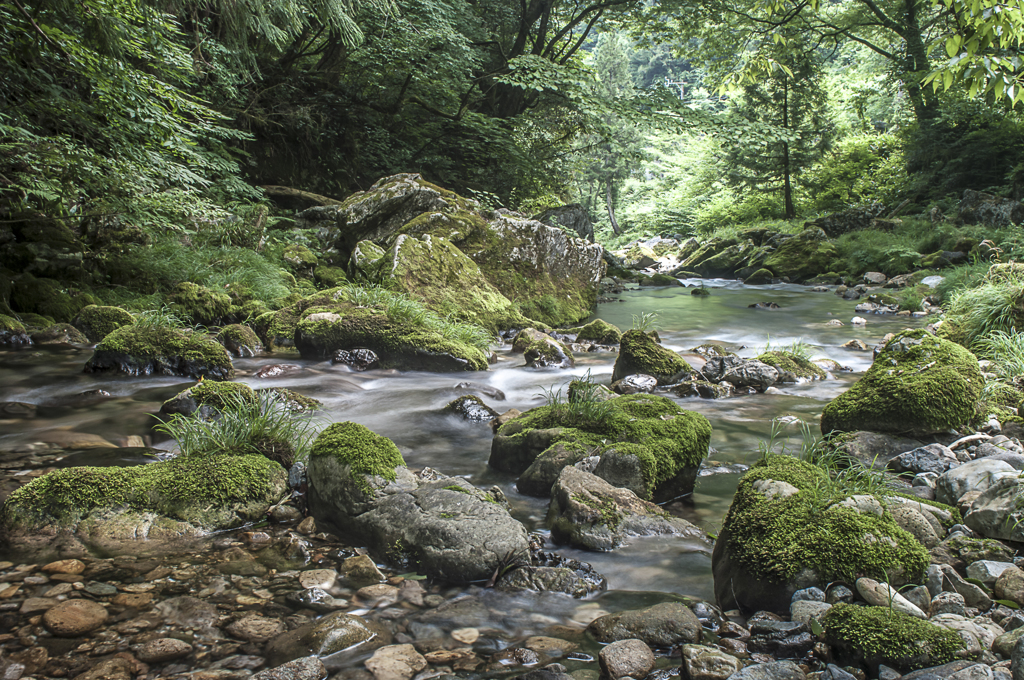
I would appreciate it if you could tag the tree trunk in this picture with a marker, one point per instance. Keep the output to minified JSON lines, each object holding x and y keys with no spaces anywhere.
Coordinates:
{"x":611,"y":208}
{"x":787,"y":187}
{"x":917,"y":66}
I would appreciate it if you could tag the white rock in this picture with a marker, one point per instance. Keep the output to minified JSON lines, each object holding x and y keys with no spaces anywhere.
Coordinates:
{"x":772,"y":488}
{"x":884,"y":595}
{"x":858,"y":321}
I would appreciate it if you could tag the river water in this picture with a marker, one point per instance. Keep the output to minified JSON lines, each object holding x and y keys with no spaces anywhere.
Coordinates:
{"x":407,"y":406}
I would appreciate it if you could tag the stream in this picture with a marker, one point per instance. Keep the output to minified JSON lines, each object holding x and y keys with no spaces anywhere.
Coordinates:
{"x":406,"y":407}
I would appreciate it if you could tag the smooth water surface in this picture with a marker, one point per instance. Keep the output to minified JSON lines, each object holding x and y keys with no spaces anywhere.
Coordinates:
{"x":407,"y":406}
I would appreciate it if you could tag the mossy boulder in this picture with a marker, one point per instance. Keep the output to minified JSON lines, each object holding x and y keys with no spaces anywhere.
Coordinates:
{"x":802,"y":256}
{"x":784,"y":532}
{"x":727,"y":261}
{"x":881,"y":635}
{"x":761,"y":277}
{"x":432,"y":270}
{"x":791,"y":367}
{"x":299,"y":259}
{"x":541,"y":350}
{"x":397,"y":345}
{"x":277,"y":329}
{"x":148,"y":350}
{"x":442,"y":527}
{"x":640,"y":353}
{"x":115,"y":507}
{"x":49,"y":298}
{"x":207,"y":397}
{"x":362,"y":264}
{"x":59,"y":334}
{"x":918,"y":384}
{"x":600,"y":332}
{"x":330,"y":277}
{"x":639,"y":257}
{"x":98,"y":321}
{"x":240,"y":340}
{"x":200,"y":304}
{"x":661,"y":280}
{"x":662,"y":441}
{"x":13,"y":332}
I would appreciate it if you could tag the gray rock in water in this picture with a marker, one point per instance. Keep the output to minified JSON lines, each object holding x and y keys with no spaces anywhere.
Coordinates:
{"x":356,"y":359}
{"x":775,"y":670}
{"x":834,"y":672}
{"x":308,"y":668}
{"x":931,"y":458}
{"x":740,"y":372}
{"x":537,"y":479}
{"x":626,"y":659}
{"x":590,"y":513}
{"x":472,"y":408}
{"x":325,"y":636}
{"x":553,"y":579}
{"x":662,"y":625}
{"x":635,"y":384}
{"x":939,"y":672}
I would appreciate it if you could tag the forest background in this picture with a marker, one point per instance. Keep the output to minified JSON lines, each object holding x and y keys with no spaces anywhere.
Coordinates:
{"x":672,"y":117}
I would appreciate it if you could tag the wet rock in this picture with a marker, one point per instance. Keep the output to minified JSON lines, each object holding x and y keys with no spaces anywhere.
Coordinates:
{"x":277,"y":371}
{"x":396,"y":662}
{"x":635,"y":384}
{"x":774,"y":670}
{"x":188,"y":612}
{"x":740,"y":372}
{"x":486,"y":390}
{"x":590,"y":513}
{"x":64,"y":567}
{"x":662,"y":625}
{"x":856,"y":344}
{"x":308,"y":668}
{"x":541,"y":350}
{"x":553,"y":579}
{"x":702,"y":389}
{"x":781,"y":639}
{"x":110,"y":669}
{"x":875,"y":449}
{"x":708,"y":663}
{"x":139,"y":351}
{"x":256,"y":628}
{"x":332,"y":633}
{"x":471,"y":408}
{"x":641,"y":354}
{"x":356,"y":359}
{"x":931,"y":458}
{"x":361,"y":570}
{"x":626,"y":658}
{"x":74,"y":618}
{"x":59,"y":334}
{"x":317,"y":599}
{"x":163,"y":650}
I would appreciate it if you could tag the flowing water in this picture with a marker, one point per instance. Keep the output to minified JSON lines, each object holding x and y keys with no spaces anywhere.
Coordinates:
{"x":407,"y":408}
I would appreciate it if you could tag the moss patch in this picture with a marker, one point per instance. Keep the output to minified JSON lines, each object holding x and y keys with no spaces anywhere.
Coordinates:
{"x":143,"y":350}
{"x":881,"y":635}
{"x":364,"y":451}
{"x":787,"y":361}
{"x":775,"y":538}
{"x":98,"y":321}
{"x":49,"y":298}
{"x":600,"y":332}
{"x":183,"y":488}
{"x":11,"y":325}
{"x":236,"y":337}
{"x":917,"y":384}
{"x":200,"y":304}
{"x":665,"y":437}
{"x":803,"y":256}
{"x":639,"y":353}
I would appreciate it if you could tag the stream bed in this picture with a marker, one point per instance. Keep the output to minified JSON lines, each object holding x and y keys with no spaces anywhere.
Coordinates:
{"x":72,"y":412}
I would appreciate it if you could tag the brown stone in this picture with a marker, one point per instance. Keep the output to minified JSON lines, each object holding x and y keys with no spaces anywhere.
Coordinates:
{"x":65,"y":567}
{"x":133,"y":600}
{"x":74,"y":618}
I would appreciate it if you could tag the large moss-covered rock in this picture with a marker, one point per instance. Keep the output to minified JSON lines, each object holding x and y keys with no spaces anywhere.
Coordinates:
{"x":664,"y":442}
{"x":639,"y":353}
{"x":600,"y":332}
{"x":439,"y":526}
{"x":114,"y":506}
{"x":546,"y":273}
{"x":431,"y":269}
{"x":318,"y":335}
{"x":240,"y":340}
{"x":541,"y":350}
{"x":791,"y":366}
{"x":148,"y":350}
{"x":98,"y":321}
{"x":59,"y":334}
{"x":918,"y":384}
{"x":362,"y":263}
{"x":200,"y":304}
{"x":276,"y":330}
{"x":784,"y":533}
{"x":804,"y":255}
{"x":880,"y":635}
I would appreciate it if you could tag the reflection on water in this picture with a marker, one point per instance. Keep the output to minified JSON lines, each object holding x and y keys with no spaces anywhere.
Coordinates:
{"x":406,"y":406}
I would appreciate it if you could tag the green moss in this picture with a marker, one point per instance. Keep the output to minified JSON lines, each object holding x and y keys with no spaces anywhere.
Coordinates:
{"x":776,"y":538}
{"x":660,"y":280}
{"x":711,"y":350}
{"x":200,"y":304}
{"x":456,"y":487}
{"x":805,"y":255}
{"x":364,"y":451}
{"x":98,"y":321}
{"x":665,"y":437}
{"x":635,"y":254}
{"x":917,"y":384}
{"x":180,"y":488}
{"x":35,"y":320}
{"x":365,"y":255}
{"x":399,"y":345}
{"x":214,"y":393}
{"x":600,"y":332}
{"x":761,"y":277}
{"x":606,"y":508}
{"x":797,"y":365}
{"x":299,"y":258}
{"x":277,"y":329}
{"x":159,"y":344}
{"x":236,"y":335}
{"x":330,"y":277}
{"x":49,"y":298}
{"x":639,"y":353}
{"x":882,"y":635}
{"x":60,"y":333}
{"x":295,"y":402}
{"x":10,"y":325}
